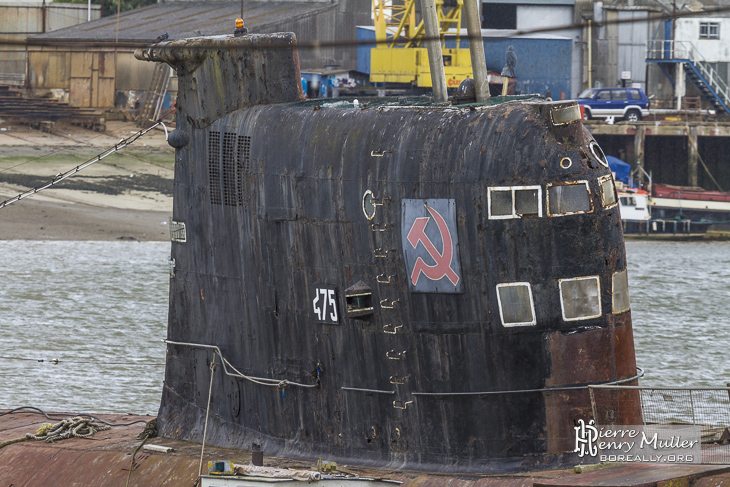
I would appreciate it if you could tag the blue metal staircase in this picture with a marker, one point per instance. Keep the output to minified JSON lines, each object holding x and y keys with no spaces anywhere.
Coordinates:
{"x":703,"y":75}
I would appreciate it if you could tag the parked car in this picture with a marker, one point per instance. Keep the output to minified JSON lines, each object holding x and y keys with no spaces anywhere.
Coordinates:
{"x":627,"y":103}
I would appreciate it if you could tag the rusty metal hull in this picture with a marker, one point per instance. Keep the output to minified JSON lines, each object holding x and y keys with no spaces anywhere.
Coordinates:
{"x":406,"y":374}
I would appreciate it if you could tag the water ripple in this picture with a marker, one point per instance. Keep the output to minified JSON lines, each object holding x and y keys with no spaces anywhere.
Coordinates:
{"x":83,"y":302}
{"x":679,"y":294}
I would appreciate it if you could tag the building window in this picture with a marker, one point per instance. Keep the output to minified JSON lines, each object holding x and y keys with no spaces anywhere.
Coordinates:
{"x":608,"y":191}
{"x":516,"y":307}
{"x":620,"y":292}
{"x":499,"y":16}
{"x":514,"y":201}
{"x":580,"y":298}
{"x":709,"y":30}
{"x":569,"y":199}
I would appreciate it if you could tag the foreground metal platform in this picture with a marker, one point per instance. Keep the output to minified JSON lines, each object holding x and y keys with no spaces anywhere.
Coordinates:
{"x":646,"y":475}
{"x":105,"y":458}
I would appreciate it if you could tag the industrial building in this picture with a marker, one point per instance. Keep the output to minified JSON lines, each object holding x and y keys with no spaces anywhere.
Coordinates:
{"x":518,"y":16}
{"x":94,"y":61}
{"x":20,"y":19}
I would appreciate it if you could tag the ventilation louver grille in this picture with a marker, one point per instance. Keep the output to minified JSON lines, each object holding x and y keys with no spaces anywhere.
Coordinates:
{"x":227,"y":166}
{"x":214,"y":167}
{"x":244,"y":152}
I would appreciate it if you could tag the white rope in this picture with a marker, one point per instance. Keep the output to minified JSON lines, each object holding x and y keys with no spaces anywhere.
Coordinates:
{"x":207,"y":413}
{"x":264,"y":381}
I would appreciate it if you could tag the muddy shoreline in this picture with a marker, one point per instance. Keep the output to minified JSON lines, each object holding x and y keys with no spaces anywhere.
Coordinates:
{"x":126,"y":196}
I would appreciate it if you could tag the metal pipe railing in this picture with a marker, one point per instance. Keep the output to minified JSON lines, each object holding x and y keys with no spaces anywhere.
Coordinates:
{"x":670,"y":49}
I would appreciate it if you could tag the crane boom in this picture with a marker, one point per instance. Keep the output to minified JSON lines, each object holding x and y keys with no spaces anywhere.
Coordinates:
{"x":400,"y":57}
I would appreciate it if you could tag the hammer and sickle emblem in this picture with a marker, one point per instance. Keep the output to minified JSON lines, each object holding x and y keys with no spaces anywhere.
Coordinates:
{"x":443,"y":259}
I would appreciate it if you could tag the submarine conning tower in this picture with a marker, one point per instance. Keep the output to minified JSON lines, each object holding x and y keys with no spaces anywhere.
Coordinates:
{"x":392,"y":282}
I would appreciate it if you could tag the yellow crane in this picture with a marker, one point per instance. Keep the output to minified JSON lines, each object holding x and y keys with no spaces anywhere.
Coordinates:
{"x":399,"y":57}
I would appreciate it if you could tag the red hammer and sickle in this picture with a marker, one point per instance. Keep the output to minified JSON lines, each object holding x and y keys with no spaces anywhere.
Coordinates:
{"x":442,"y":259}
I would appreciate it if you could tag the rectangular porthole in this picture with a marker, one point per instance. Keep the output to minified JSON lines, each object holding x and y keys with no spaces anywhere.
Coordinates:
{"x":569,"y":199}
{"x":608,"y":191}
{"x":565,"y":115}
{"x":514,"y":201}
{"x":359,"y":304}
{"x":580,"y":298}
{"x":359,"y":300}
{"x":527,"y":201}
{"x":620,"y":292}
{"x":500,"y":203}
{"x":516,"y":307}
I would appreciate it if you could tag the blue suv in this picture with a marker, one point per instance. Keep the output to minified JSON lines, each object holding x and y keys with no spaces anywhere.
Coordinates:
{"x":627,"y":103}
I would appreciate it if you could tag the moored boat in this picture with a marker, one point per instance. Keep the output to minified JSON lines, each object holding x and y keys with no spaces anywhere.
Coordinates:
{"x":700,"y":206}
{"x":677,"y":210}
{"x":667,"y":209}
{"x":634,"y":207}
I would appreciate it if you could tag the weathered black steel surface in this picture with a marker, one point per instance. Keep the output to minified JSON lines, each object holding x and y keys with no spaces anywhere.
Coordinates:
{"x":217,"y":75}
{"x":277,"y":214}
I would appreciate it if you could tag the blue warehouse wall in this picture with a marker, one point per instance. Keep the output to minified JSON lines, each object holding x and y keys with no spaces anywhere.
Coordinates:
{"x":363,"y":50}
{"x":543,"y":63}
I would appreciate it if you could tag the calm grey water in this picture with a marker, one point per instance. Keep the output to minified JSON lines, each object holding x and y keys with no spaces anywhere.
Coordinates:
{"x":102,"y":303}
{"x":680,"y":302}
{"x":105,"y":304}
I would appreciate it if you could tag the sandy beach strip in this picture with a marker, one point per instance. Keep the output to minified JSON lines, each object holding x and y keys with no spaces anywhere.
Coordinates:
{"x":125,"y":196}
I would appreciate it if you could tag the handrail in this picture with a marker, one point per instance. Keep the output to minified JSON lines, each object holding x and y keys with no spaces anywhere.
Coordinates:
{"x":657,"y":388}
{"x":670,"y":49}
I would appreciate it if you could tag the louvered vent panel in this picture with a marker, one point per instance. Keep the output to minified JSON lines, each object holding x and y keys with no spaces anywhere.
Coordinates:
{"x":244,"y":153}
{"x":230,"y":190}
{"x":214,"y":167}
{"x":228,"y":167}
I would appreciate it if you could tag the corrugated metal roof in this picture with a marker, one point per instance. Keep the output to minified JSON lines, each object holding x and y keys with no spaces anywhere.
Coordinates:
{"x":181,"y":20}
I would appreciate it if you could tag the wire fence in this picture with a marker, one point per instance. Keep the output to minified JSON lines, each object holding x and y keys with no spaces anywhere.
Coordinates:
{"x":708,"y":408}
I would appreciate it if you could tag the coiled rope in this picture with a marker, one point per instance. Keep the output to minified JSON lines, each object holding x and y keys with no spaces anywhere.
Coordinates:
{"x":34,"y":410}
{"x":77,"y":427}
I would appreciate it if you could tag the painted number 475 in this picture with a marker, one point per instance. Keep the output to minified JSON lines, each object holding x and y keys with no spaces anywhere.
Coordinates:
{"x":325,"y":305}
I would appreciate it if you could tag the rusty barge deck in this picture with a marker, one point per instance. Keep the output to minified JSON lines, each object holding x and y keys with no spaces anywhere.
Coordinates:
{"x":105,"y":459}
